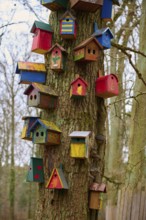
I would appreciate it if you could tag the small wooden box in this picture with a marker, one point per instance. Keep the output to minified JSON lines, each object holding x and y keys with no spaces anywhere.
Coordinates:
{"x":28,"y":122}
{"x":36,"y":170}
{"x":54,"y":5}
{"x":86,"y":5}
{"x":107,"y":86}
{"x":78,"y":88}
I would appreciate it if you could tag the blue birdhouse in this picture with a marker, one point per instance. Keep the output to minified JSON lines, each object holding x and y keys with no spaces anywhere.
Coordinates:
{"x":106,"y":11}
{"x":104,"y":36}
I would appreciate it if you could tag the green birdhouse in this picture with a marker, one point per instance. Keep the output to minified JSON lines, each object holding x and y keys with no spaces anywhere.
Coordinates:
{"x":55,"y":5}
{"x":36,"y":171}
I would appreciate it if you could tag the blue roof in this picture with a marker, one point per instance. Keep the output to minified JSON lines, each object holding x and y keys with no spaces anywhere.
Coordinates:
{"x":100,"y":32}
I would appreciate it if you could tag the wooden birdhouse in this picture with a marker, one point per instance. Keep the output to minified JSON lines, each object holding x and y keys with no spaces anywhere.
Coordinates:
{"x":28,"y":121}
{"x":68,"y":26}
{"x":42,"y":39}
{"x":36,"y":170}
{"x":41,"y":96}
{"x":58,"y":57}
{"x":54,"y":5}
{"x":45,"y":133}
{"x":86,"y":5}
{"x":88,"y":50}
{"x":107,"y":86}
{"x":79,"y":144}
{"x":31,"y":72}
{"x":78,"y":88}
{"x":94,"y":197}
{"x":57,"y":180}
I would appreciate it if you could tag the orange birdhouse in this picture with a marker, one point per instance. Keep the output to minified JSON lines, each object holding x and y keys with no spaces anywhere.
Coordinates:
{"x":78,"y":88}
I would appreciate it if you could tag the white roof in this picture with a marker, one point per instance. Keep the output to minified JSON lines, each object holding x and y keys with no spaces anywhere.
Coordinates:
{"x":80,"y":134}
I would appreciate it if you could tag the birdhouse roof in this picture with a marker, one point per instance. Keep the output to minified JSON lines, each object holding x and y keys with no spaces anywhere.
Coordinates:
{"x":29,"y":66}
{"x":40,"y":88}
{"x":116,"y":2}
{"x":81,"y":134}
{"x":100,"y":32}
{"x":46,"y":124}
{"x":98,"y":187}
{"x":42,"y":26}
{"x":28,"y":117}
{"x":80,"y":79}
{"x":61,"y":178}
{"x":59,"y":46}
{"x":66,"y":14}
{"x":86,"y":42}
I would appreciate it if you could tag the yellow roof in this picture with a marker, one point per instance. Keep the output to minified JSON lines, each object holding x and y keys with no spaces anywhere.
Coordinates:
{"x":31,"y":66}
{"x":50,"y":125}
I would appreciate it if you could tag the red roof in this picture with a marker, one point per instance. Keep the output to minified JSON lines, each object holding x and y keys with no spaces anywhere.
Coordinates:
{"x":80,"y":79}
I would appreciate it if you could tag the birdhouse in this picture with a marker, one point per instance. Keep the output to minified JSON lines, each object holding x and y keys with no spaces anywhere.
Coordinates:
{"x":35,"y":171}
{"x":106,"y":11}
{"x":68,"y":26}
{"x":79,"y":144}
{"x":31,"y":72}
{"x":54,"y":5}
{"x":28,"y":121}
{"x":86,"y":5}
{"x":57,"y":180}
{"x":88,"y":50}
{"x":41,"y":96}
{"x":42,"y":39}
{"x":78,"y":88}
{"x":58,"y":57}
{"x":107,"y":86}
{"x":104,"y":36}
{"x":45,"y":133}
{"x":94,"y":197}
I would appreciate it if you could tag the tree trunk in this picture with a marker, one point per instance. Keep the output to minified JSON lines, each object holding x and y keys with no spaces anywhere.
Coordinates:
{"x":73,"y":115}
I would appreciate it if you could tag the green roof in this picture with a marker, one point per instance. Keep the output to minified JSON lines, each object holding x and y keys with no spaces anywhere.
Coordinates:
{"x":42,"y":26}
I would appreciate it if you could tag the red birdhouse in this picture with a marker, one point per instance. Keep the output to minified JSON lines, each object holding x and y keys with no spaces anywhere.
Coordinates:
{"x":42,"y":40}
{"x":78,"y":88}
{"x":107,"y":86}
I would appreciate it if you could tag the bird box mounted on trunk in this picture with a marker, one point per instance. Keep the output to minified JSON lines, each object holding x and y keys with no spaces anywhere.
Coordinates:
{"x":57,"y":180}
{"x":86,"y":5}
{"x":31,"y":72}
{"x":55,"y":5}
{"x":78,"y":88}
{"x":41,"y":96}
{"x":58,"y":57}
{"x":42,"y":39}
{"x":36,"y":170}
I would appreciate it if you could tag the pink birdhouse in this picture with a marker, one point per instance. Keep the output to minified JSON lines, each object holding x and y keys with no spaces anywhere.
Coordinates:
{"x":78,"y":88}
{"x":107,"y":86}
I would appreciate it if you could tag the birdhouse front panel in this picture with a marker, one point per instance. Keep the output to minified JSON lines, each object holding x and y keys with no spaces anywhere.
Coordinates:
{"x":105,"y":39}
{"x":78,"y":88}
{"x":94,"y":200}
{"x":28,"y":121}
{"x":36,"y":170}
{"x":106,"y":11}
{"x":92,"y":52}
{"x":54,"y":5}
{"x":33,"y":98}
{"x":56,"y":59}
{"x":39,"y":135}
{"x":86,"y":5}
{"x":107,"y":86}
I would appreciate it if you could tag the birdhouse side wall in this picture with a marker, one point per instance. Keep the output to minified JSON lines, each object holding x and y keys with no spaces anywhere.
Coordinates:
{"x":112,"y":85}
{"x":92,"y":52}
{"x":86,"y":5}
{"x":106,"y":11}
{"x":53,"y":138}
{"x":48,"y":101}
{"x":94,"y":200}
{"x":33,"y":98}
{"x":54,"y":5}
{"x":27,"y":77}
{"x":79,"y":54}
{"x":78,"y":150}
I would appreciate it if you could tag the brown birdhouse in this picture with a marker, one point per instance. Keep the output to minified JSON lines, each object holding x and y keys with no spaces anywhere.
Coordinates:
{"x":88,"y":50}
{"x":86,"y":5}
{"x":78,"y":88}
{"x":94,"y":197}
{"x":58,"y":57}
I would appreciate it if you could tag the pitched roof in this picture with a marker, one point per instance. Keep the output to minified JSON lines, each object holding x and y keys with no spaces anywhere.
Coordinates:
{"x":59,"y":46}
{"x":81,"y":134}
{"x":86,"y":42}
{"x":41,"y":25}
{"x":29,"y":66}
{"x":80,"y":79}
{"x":67,"y":13}
{"x":100,"y":32}
{"x":40,"y":88}
{"x":46,"y":124}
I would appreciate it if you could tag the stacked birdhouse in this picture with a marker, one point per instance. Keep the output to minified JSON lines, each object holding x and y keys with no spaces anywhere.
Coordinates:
{"x":39,"y":95}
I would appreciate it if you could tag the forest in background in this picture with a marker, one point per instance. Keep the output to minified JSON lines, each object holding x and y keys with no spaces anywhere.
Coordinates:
{"x":125,"y":137}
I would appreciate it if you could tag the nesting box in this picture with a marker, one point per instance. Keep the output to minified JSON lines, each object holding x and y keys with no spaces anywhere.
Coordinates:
{"x":88,"y":50}
{"x":58,"y":57}
{"x":94,"y":197}
{"x":45,"y":133}
{"x":42,"y":39}
{"x":78,"y":88}
{"x":57,"y":180}
{"x":104,"y":36}
{"x":36,"y":170}
{"x":106,"y":11}
{"x":79,"y":144}
{"x":41,"y":96}
{"x":28,"y":122}
{"x":54,"y":5}
{"x":107,"y":86}
{"x":31,"y":72}
{"x":86,"y":5}
{"x":68,"y":26}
